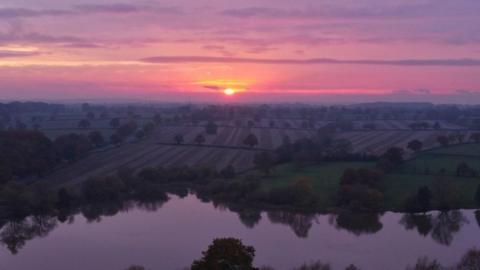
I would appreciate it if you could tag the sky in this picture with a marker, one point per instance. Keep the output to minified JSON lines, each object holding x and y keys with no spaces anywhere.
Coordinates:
{"x":315,"y":51}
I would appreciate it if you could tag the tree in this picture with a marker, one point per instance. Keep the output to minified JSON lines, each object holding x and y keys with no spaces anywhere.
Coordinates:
{"x":392,"y":158}
{"x":115,"y":122}
{"x":226,"y":253}
{"x":199,"y":139}
{"x":415,"y":145}
{"x":178,"y":138}
{"x":72,"y":146}
{"x":464,"y":170}
{"x":470,"y":261}
{"x":477,"y":195}
{"x":264,"y":161}
{"x":251,"y":140}
{"x":211,"y":128}
{"x":96,"y":138}
{"x":444,"y":192}
{"x":127,"y":129}
{"x":424,"y":198}
{"x":443,"y":140}
{"x":84,"y":123}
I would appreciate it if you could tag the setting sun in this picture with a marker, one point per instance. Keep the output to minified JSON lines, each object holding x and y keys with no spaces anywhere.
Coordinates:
{"x":229,"y":91}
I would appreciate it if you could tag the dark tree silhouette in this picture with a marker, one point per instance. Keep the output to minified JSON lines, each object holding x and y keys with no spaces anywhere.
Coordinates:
{"x":415,"y":145}
{"x":211,"y":128}
{"x":251,"y":140}
{"x":178,"y":138}
{"x":199,"y":139}
{"x":226,"y":253}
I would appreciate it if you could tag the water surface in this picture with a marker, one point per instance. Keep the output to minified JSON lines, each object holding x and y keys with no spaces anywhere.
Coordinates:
{"x":171,"y":236}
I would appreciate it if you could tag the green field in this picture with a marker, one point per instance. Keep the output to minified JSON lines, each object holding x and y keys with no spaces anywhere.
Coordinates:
{"x":461,"y":149}
{"x":324,"y":178}
{"x":397,"y":185}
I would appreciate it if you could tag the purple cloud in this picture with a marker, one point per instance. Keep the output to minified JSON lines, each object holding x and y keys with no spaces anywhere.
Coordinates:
{"x":312,"y":61}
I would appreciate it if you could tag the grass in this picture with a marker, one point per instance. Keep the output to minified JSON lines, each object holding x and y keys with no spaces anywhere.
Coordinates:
{"x":461,"y":149}
{"x":433,"y":163}
{"x":324,"y":178}
{"x":398,"y":185}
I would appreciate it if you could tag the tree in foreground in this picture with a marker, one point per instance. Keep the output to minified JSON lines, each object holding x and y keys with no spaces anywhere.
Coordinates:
{"x":251,"y":140}
{"x":226,"y":253}
{"x":415,"y":145}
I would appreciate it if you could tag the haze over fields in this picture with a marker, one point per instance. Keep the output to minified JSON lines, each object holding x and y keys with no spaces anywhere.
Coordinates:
{"x":270,"y":50}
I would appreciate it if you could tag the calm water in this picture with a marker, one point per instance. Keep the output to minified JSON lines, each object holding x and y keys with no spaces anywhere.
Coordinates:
{"x":171,"y":236}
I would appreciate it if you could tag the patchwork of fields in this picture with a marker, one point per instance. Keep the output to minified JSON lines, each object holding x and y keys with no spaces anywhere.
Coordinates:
{"x":224,"y":148}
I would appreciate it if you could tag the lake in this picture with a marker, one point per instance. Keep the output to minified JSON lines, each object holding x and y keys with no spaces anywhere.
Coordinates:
{"x":172,"y":235}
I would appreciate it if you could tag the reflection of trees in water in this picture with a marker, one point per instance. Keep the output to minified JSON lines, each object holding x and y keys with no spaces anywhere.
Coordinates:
{"x":94,"y":211}
{"x":477,"y":217}
{"x":14,"y":234}
{"x":421,"y":222}
{"x":446,"y":224}
{"x":250,"y":218}
{"x":441,"y":226}
{"x":299,"y":222}
{"x":358,"y":223}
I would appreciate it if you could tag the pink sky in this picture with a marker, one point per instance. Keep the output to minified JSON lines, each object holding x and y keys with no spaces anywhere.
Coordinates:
{"x":267,"y":50}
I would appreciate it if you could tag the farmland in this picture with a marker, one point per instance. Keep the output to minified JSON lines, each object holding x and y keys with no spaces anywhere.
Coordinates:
{"x":224,"y":148}
{"x":398,"y":185}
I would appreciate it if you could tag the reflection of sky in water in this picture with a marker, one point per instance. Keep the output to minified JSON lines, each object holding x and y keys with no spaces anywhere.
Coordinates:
{"x":173,"y":236}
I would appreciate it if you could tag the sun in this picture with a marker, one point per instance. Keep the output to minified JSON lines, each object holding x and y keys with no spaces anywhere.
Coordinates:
{"x":229,"y":91}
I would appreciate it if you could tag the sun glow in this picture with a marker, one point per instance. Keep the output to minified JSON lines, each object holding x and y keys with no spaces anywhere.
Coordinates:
{"x":229,"y":91}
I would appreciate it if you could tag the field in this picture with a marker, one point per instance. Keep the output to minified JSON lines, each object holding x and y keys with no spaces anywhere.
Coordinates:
{"x":324,"y":178}
{"x":398,"y":185}
{"x":220,"y":150}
